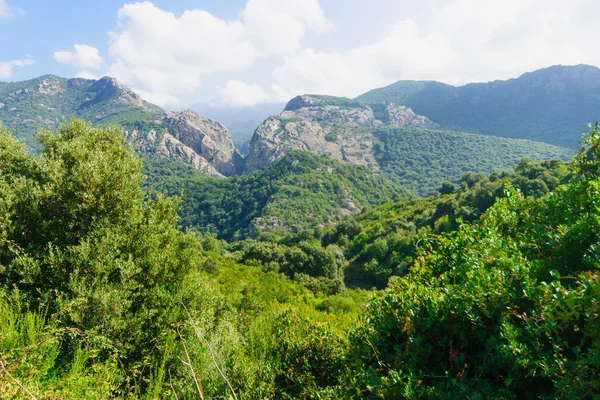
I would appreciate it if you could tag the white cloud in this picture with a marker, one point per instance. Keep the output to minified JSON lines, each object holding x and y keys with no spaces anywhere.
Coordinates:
{"x":278,"y":26}
{"x":85,"y":74}
{"x":84,"y":56}
{"x":167,"y":56}
{"x":238,"y":93}
{"x":7,"y":11}
{"x":468,"y":41}
{"x":6,"y":68}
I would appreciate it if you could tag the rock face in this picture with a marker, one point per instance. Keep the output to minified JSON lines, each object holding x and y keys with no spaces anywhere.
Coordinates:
{"x":402,"y":116}
{"x":203,"y":143}
{"x":111,"y":89}
{"x":207,"y":138}
{"x":343,"y":131}
{"x":165,"y":145}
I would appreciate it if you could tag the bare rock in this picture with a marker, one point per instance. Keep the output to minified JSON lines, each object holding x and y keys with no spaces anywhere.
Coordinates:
{"x":402,"y":116}
{"x":207,"y":137}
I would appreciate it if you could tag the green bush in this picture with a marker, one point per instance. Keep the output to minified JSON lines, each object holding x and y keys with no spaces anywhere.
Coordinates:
{"x":78,"y":239}
{"x":504,"y":308}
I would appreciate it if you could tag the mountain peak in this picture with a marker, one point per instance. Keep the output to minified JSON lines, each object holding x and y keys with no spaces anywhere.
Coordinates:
{"x":571,"y":72}
{"x":110,"y":88}
{"x":299,"y":102}
{"x":312,"y":100}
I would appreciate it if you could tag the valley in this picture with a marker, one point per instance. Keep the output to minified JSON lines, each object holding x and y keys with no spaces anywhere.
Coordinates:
{"x":418,"y":241}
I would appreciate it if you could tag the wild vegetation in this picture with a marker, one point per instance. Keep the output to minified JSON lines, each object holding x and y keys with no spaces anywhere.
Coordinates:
{"x":422,"y":160}
{"x":383,"y":241}
{"x":504,"y":308}
{"x":302,"y":191}
{"x":102,"y":295}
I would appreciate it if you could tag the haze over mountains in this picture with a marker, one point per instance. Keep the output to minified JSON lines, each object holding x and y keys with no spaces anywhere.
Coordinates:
{"x":241,"y":121}
{"x":407,"y":130}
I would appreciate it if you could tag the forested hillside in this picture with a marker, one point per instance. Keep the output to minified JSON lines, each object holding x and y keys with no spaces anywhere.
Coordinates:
{"x":382,"y":241}
{"x":550,"y":105}
{"x":303,"y":191}
{"x":102,"y":295}
{"x":421,"y":160}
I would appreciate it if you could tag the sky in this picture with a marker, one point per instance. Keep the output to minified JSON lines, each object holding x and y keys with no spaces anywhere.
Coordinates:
{"x":246,"y":52}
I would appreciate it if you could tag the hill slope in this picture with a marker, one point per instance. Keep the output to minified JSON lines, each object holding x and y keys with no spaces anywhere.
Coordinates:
{"x":551,"y":105}
{"x":301,"y":191}
{"x":421,"y":160}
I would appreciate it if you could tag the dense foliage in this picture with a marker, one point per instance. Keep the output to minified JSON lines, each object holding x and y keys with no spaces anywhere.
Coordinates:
{"x":548,"y":105}
{"x":302,"y":191}
{"x":382,"y":241}
{"x":158,"y":169}
{"x":505,"y":308}
{"x":102,"y":295}
{"x":421,"y":160}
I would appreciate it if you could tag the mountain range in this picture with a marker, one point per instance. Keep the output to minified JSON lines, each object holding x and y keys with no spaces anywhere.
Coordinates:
{"x":550,"y":105}
{"x":45,"y":102}
{"x":407,"y":148}
{"x":417,"y":133}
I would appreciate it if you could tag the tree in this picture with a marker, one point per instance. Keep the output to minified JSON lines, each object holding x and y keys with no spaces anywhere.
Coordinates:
{"x":504,"y":308}
{"x":77,"y":238}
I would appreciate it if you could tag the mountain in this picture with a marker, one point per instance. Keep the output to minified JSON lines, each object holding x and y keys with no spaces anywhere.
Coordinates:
{"x":551,"y":105}
{"x":408,"y":148}
{"x":302,"y":191}
{"x":45,"y":102}
{"x":411,"y":131}
{"x":336,"y":127}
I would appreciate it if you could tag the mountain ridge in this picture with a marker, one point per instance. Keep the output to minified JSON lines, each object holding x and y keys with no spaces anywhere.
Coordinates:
{"x":339,"y":127}
{"x":43,"y":102}
{"x":550,"y":105}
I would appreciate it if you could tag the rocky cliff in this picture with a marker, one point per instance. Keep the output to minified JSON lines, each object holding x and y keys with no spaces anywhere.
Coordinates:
{"x":42,"y":103}
{"x":336,"y":127}
{"x":207,"y":138}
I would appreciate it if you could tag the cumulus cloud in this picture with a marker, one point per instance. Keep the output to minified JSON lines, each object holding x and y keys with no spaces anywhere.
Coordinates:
{"x":467,"y":41}
{"x":84,"y":56}
{"x":8,"y":11}
{"x":166,"y":56}
{"x":6,"y":68}
{"x":278,"y":26}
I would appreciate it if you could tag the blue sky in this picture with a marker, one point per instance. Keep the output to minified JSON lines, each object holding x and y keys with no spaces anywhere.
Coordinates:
{"x":49,"y":26}
{"x":244,"y":52}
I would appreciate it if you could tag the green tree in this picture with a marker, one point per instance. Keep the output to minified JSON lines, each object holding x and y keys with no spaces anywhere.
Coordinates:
{"x":504,"y":308}
{"x":78,"y":239}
